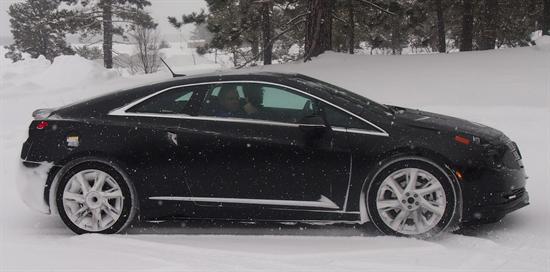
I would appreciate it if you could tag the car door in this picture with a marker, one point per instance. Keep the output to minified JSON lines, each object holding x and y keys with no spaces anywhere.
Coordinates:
{"x":268,"y":146}
{"x":158,"y":128}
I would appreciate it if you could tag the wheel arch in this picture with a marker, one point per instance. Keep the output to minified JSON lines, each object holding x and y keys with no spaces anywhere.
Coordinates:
{"x":80,"y":158}
{"x":406,"y":153}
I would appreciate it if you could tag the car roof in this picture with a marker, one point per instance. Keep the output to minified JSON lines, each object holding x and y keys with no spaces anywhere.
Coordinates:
{"x":101,"y":105}
{"x":232,"y":75}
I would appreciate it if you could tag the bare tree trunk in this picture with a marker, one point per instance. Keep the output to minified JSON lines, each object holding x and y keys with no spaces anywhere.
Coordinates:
{"x":255,"y":44}
{"x":107,"y":7}
{"x":489,"y":25}
{"x":466,"y":41}
{"x":248,"y":19}
{"x":546,"y":17}
{"x":318,"y":28}
{"x":267,"y":32}
{"x":351,"y":27}
{"x":395,"y":7}
{"x":441,"y":40}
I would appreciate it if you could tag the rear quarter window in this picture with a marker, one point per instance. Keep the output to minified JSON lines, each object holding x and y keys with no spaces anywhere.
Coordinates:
{"x":176,"y":101}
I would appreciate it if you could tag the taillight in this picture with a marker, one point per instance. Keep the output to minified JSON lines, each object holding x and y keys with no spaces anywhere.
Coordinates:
{"x":42,"y":125}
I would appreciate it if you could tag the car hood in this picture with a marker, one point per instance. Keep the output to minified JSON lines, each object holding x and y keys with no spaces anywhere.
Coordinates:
{"x":439,"y":122}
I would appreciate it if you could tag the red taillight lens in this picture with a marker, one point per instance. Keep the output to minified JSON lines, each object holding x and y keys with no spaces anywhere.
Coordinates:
{"x":42,"y":125}
{"x":462,"y":140}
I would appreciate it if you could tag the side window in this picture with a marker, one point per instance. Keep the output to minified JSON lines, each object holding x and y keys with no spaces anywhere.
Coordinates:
{"x":174,"y":101}
{"x":257,"y":101}
{"x":338,"y":118}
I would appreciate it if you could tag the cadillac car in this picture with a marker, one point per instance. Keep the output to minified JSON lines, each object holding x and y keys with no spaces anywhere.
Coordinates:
{"x":263,"y":146}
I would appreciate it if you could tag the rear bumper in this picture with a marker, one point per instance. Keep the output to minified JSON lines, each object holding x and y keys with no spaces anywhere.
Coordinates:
{"x":31,"y":182}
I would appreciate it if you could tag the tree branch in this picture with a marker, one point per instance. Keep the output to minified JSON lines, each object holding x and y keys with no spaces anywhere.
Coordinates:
{"x":339,"y":18}
{"x":270,"y":43}
{"x":376,"y":6}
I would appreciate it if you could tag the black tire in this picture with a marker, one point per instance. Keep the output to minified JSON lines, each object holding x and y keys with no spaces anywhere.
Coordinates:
{"x":448,"y":217}
{"x":130,"y":206}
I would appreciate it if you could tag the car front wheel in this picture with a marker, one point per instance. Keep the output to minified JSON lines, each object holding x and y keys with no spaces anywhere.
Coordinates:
{"x":412,"y":197}
{"x":93,"y":197}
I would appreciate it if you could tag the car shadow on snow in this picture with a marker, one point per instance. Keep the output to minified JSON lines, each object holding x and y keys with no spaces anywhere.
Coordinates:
{"x":54,"y":226}
{"x":488,"y":231}
{"x":224,"y":227}
{"x":219,"y":227}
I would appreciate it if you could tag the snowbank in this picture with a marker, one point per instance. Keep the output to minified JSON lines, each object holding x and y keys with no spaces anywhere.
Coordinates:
{"x":71,"y":71}
{"x":518,"y":76}
{"x":543,"y":43}
{"x":39,"y":75}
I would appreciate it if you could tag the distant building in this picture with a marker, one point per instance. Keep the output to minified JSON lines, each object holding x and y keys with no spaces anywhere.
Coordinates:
{"x":196,"y":43}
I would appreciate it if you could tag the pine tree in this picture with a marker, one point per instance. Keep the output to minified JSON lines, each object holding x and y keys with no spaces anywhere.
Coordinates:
{"x":39,"y":28}
{"x":545,"y":18}
{"x":110,"y":18}
{"x":242,"y":27}
{"x":318,"y":28}
{"x":441,"y":36}
{"x":466,"y":40}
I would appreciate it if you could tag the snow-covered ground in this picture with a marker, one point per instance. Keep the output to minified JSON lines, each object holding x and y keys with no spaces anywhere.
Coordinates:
{"x":507,"y":89}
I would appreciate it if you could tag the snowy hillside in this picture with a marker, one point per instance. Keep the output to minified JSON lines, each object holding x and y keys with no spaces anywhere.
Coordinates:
{"x":507,"y":89}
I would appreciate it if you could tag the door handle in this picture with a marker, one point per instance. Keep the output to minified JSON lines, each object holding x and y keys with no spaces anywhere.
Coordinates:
{"x":172,"y":137}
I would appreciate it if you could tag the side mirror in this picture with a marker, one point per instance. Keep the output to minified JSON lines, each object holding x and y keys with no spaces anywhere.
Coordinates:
{"x":313,"y":125}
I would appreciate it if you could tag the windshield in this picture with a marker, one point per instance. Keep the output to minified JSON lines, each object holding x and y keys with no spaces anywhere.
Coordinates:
{"x":342,"y":93}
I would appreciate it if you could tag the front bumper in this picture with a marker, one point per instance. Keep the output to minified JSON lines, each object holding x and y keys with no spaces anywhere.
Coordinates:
{"x":493,"y":212}
{"x":490,"y":194}
{"x":31,"y":182}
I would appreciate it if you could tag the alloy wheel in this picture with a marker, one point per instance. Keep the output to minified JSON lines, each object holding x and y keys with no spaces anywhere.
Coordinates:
{"x":411,"y":201}
{"x":93,"y":200}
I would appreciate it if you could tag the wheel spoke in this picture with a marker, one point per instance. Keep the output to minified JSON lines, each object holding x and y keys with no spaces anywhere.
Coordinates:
{"x":99,"y":181}
{"x":432,"y":187}
{"x":418,"y":222}
{"x":73,"y":197}
{"x":399,"y":220}
{"x":110,"y":210}
{"x":432,"y":207}
{"x":81,"y":210}
{"x":96,"y":218}
{"x":84,"y":185}
{"x":387,"y":204}
{"x":412,"y":176}
{"x":112,"y":193}
{"x":81,"y":217}
{"x":395,"y":187}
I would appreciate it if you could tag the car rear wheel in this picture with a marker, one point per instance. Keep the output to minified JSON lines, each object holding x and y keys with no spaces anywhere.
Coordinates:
{"x":412,"y":197}
{"x":95,"y":198}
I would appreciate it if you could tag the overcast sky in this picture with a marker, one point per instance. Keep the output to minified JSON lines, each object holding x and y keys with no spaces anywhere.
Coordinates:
{"x":160,"y":9}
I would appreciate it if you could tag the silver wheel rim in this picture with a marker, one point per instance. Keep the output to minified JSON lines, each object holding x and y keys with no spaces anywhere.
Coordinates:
{"x":411,"y":201}
{"x":93,"y":200}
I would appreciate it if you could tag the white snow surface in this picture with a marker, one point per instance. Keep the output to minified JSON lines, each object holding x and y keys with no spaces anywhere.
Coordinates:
{"x":508,"y":89}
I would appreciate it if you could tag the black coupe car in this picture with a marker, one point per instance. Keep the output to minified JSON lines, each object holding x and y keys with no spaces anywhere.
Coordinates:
{"x":266,"y":146}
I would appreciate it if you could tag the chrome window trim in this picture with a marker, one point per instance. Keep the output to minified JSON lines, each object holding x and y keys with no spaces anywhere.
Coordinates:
{"x":208,"y":118}
{"x":122,"y":110}
{"x":323,"y":202}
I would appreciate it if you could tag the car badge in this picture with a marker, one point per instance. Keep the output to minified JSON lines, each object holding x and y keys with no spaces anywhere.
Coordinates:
{"x":73,"y":141}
